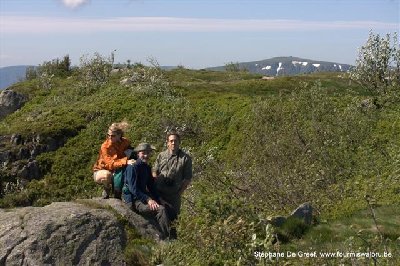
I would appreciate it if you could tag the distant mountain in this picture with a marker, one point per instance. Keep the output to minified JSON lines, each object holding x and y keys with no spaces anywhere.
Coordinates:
{"x":288,"y":66}
{"x":11,"y":74}
{"x":168,"y":67}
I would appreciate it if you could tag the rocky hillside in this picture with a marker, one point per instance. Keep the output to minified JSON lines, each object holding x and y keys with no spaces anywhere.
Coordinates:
{"x":288,"y":66}
{"x":18,"y":153}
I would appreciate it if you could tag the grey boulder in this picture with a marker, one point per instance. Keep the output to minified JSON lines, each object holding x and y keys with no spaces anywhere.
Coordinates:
{"x":62,"y":233}
{"x":10,"y":101}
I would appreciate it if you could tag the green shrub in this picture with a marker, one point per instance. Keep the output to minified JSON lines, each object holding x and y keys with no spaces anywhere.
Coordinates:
{"x":94,"y":71}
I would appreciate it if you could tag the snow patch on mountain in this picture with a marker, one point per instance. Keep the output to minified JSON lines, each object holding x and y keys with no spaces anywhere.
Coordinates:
{"x":289,"y":66}
{"x":299,"y":63}
{"x":279,"y":68}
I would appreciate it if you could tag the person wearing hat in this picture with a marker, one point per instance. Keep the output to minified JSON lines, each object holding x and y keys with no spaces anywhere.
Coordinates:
{"x":139,"y":191}
{"x":173,"y":173}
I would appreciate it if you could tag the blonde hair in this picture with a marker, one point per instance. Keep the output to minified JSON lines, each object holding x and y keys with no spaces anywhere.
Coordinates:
{"x":119,"y":128}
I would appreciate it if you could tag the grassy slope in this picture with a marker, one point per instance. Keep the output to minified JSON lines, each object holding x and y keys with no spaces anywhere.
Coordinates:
{"x":214,"y":110}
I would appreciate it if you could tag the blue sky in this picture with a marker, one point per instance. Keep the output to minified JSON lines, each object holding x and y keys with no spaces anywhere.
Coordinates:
{"x":192,"y":33}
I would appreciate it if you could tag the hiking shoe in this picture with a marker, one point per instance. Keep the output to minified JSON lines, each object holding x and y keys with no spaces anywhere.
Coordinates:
{"x":105,"y":194}
{"x":117,"y":194}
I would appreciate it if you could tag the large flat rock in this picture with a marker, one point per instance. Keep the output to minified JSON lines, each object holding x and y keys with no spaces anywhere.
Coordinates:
{"x":68,"y":233}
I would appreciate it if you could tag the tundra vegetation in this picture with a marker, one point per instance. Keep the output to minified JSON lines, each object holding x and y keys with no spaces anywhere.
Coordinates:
{"x":260,"y":149}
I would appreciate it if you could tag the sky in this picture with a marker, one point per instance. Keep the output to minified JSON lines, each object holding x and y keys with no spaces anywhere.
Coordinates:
{"x":191,"y":33}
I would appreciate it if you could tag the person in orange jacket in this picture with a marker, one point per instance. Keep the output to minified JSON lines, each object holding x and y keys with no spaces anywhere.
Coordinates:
{"x":113,"y":154}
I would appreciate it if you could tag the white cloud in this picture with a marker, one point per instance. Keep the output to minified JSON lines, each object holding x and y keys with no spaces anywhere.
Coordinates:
{"x":30,"y":24}
{"x":74,"y":3}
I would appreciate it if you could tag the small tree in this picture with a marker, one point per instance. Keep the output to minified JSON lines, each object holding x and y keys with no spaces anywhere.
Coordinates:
{"x":95,"y":71}
{"x":232,"y":67}
{"x":378,"y":65}
{"x":65,"y":65}
{"x":234,"y":70}
{"x":56,"y":67}
{"x":30,"y":73}
{"x":149,"y":80}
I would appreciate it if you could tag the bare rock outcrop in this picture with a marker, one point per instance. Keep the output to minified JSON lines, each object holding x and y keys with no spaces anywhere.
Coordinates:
{"x":18,"y":164}
{"x":10,"y":101}
{"x":302,"y":213}
{"x":146,"y":228}
{"x":68,"y":233}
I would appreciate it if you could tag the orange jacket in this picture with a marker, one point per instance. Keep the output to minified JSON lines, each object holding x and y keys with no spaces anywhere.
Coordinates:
{"x":111,"y":155}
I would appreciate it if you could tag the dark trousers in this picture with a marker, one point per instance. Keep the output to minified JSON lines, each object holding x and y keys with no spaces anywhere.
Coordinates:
{"x":160,"y":214}
{"x":174,"y":203}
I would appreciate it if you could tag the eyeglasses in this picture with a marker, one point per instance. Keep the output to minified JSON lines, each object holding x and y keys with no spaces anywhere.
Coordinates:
{"x":111,"y":135}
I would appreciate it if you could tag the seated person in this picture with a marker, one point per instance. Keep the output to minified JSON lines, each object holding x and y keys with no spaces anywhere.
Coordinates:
{"x":139,"y":191}
{"x":112,"y":157}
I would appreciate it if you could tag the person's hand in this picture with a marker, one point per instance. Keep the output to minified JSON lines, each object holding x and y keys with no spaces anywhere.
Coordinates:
{"x":153,"y":204}
{"x":131,"y":161}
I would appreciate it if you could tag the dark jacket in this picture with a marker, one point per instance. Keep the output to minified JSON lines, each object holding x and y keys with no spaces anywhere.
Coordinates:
{"x":139,"y":183}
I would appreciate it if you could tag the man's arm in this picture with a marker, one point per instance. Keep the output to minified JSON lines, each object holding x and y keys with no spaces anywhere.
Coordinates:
{"x":185,"y":184}
{"x":187,"y":175}
{"x":154,"y":170}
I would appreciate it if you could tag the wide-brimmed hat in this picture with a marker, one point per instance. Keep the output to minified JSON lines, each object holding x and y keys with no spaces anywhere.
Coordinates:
{"x":144,"y":147}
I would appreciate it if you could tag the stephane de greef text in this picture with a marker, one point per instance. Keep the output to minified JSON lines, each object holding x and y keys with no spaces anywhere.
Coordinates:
{"x":320,"y":254}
